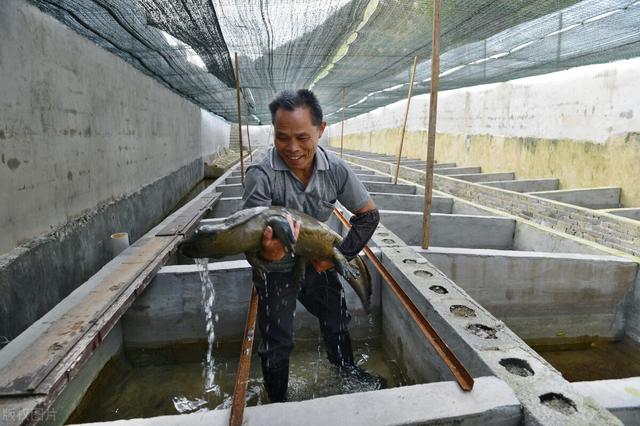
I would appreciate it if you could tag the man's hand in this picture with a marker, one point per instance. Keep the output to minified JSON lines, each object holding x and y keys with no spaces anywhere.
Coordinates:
{"x":272,"y":247}
{"x":322,"y":265}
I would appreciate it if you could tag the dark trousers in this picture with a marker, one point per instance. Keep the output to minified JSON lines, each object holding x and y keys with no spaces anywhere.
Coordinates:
{"x":322,"y":295}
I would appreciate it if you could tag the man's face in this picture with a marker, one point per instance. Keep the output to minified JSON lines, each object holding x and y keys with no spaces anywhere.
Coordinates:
{"x":296,"y":138}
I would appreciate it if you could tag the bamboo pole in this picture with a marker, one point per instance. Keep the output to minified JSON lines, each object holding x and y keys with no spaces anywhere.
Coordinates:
{"x":248,"y":135}
{"x":239,"y":119}
{"x":342,"y":125}
{"x":244,"y":365}
{"x":431,"y":135}
{"x":406,"y":115}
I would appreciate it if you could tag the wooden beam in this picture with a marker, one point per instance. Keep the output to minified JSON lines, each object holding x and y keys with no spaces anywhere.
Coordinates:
{"x":406,"y":115}
{"x":342,"y":125}
{"x":433,"y":109}
{"x":239,"y":119}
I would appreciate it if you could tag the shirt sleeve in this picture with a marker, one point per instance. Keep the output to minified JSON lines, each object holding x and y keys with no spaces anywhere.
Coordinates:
{"x":351,"y":192}
{"x":257,"y":189}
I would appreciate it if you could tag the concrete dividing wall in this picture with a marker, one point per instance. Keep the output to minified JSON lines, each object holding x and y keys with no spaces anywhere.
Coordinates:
{"x":579,"y":125}
{"x":88,"y":146}
{"x":170,"y":310}
{"x":543,"y":295}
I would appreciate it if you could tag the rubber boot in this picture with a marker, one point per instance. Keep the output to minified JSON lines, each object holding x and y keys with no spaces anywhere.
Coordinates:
{"x":276,"y":381}
{"x":339,"y":350}
{"x":340,"y":353}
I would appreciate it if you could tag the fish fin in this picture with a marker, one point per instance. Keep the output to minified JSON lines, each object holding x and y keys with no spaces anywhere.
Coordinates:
{"x":282,"y":230}
{"x":299,"y":269}
{"x":357,"y":275}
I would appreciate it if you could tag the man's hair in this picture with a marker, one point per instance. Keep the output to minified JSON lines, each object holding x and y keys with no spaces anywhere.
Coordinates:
{"x":291,"y":100}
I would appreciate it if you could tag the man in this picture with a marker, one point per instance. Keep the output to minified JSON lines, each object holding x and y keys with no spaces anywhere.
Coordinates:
{"x":297,"y":173}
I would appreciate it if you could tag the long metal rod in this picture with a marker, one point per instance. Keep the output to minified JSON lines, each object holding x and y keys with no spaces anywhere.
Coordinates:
{"x":239,"y":119}
{"x":406,"y":115}
{"x":433,"y":110}
{"x":458,"y":370}
{"x":342,"y":125}
{"x":244,"y":365}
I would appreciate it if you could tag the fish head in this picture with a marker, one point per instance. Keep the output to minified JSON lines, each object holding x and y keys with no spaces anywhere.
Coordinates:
{"x":206,"y":241}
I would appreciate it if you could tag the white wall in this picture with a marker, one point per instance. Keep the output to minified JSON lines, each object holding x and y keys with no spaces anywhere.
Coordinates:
{"x":585,"y":103}
{"x":79,"y":126}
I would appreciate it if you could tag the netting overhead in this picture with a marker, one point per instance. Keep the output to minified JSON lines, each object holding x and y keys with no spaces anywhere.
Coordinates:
{"x":352,"y":53}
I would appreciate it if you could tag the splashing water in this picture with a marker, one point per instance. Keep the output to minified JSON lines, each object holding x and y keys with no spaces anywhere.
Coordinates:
{"x":208,"y":297}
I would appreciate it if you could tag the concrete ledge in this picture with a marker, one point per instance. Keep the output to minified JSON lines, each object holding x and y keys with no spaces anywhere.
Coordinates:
{"x":390,"y":188}
{"x":491,"y":402}
{"x":226,"y":207}
{"x":543,"y":295}
{"x":621,"y":397}
{"x":630,"y":212}
{"x":590,"y":198}
{"x":232,"y":190}
{"x":457,"y":170}
{"x":449,"y":230}
{"x":485,"y":177}
{"x":374,"y":178}
{"x":526,"y":185}
{"x":408,"y":202}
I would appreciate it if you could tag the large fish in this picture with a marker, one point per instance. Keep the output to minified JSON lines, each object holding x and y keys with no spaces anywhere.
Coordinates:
{"x":242,"y":233}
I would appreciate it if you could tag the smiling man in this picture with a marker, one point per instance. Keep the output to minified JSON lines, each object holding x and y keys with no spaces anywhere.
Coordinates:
{"x":299,"y":174}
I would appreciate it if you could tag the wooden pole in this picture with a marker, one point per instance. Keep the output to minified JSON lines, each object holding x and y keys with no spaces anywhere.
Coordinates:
{"x":239,"y":119}
{"x":431,"y":135}
{"x":406,"y":115}
{"x":244,"y":365}
{"x":342,"y":125}
{"x":248,"y":135}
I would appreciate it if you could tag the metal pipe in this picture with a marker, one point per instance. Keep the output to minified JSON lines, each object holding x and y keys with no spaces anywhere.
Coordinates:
{"x":406,"y":115}
{"x":244,"y":365}
{"x":458,"y":370}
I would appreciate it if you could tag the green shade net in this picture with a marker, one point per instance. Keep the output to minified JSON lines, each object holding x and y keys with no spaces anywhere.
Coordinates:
{"x":355,"y":53}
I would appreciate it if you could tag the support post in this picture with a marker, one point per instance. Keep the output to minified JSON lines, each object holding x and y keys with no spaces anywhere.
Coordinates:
{"x":248,"y":135}
{"x":433,"y":109}
{"x":239,"y":119}
{"x":406,"y":115}
{"x":342,"y":125}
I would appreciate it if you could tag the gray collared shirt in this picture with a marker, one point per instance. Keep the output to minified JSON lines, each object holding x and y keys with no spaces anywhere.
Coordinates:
{"x":270,"y":182}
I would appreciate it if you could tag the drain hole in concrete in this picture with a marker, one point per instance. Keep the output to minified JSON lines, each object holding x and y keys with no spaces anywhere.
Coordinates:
{"x":388,"y":241}
{"x":409,"y":261}
{"x":422,"y":273}
{"x":481,"y":330}
{"x":517,"y":366}
{"x":462,"y":311}
{"x":438,"y":289}
{"x":558,"y":402}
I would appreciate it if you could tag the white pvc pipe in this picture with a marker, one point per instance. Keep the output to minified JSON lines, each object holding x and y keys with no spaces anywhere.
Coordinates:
{"x":118,"y":242}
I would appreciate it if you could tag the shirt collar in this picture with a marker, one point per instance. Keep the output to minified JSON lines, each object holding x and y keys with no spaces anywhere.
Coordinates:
{"x":321,"y":162}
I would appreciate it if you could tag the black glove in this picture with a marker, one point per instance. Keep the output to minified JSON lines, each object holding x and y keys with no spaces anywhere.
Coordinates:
{"x":362,"y":228}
